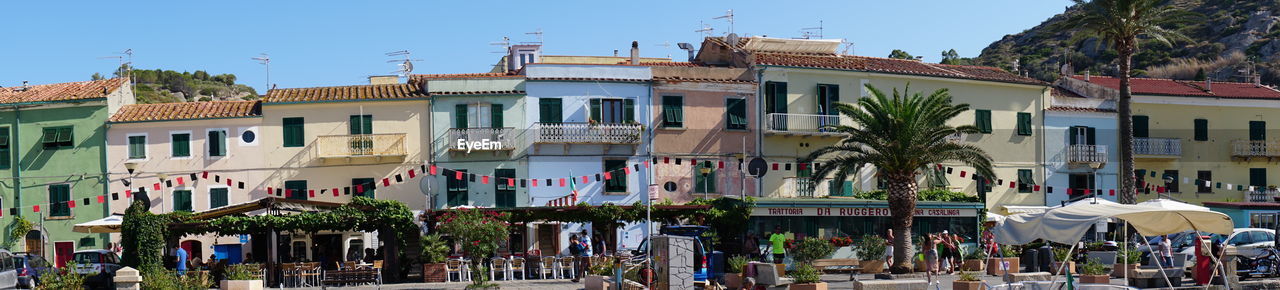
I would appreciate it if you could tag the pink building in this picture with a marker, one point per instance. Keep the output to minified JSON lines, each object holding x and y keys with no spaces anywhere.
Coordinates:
{"x":702,"y":114}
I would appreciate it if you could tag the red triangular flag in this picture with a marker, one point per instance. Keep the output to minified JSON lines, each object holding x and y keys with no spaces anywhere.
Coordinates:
{"x":288,"y":193}
{"x":802,"y":166}
{"x":1036,"y":188}
{"x":562,"y":182}
{"x":721,"y":165}
{"x":646,"y":164}
{"x":1011,"y":184}
{"x":228,"y":181}
{"x":411,"y":174}
{"x":35,"y":208}
{"x":128,"y":193}
{"x":484,"y":179}
{"x":585,"y":180}
{"x":775,"y":167}
{"x":156,"y":186}
{"x":360,"y":188}
{"x":693,"y":161}
{"x":102,"y":199}
{"x":270,"y":191}
{"x":666,"y":159}
{"x":1071,"y":192}
{"x":627,"y":170}
{"x":607,"y":176}
{"x":961,"y":172}
{"x":457,"y":175}
{"x":180,"y":181}
{"x":535,"y":182}
{"x":1087,"y":191}
{"x":386,"y":182}
{"x":1160,"y":189}
{"x":511,"y":182}
{"x":71,"y":204}
{"x":311,"y":193}
{"x":433,"y":169}
{"x":1112,"y":192}
{"x":204,"y":174}
{"x":335,"y":191}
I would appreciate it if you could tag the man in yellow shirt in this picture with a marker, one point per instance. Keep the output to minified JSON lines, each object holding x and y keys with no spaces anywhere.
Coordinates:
{"x":778,"y":243}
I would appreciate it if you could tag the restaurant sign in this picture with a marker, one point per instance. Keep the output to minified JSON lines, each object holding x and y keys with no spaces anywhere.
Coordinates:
{"x":859,"y":211}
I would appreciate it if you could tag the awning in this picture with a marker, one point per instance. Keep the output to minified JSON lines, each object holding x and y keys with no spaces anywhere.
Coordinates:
{"x":1068,"y":223}
{"x":1017,"y":209}
{"x":109,"y":224}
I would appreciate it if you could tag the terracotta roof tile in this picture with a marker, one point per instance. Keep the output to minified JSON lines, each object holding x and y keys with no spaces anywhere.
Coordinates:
{"x":1064,"y":93}
{"x":187,"y":111}
{"x":1168,"y":87}
{"x":344,"y":93}
{"x":662,"y":63}
{"x":458,"y":76}
{"x":587,"y":79}
{"x":702,"y":80}
{"x":464,"y":93}
{"x":889,"y":65}
{"x":1078,"y":109}
{"x":61,"y":91}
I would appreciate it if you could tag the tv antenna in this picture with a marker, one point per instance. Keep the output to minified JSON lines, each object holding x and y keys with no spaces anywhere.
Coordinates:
{"x":406,"y":64}
{"x":265,"y":60}
{"x":808,"y":32}
{"x":848,"y":48}
{"x":535,"y":33}
{"x":704,"y":29}
{"x":505,"y":44}
{"x":729,"y":16}
{"x":667,"y":46}
{"x":125,"y":58}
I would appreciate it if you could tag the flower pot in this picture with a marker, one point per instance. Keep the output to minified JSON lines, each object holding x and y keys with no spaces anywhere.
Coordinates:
{"x":810,"y":286}
{"x":781,"y":268}
{"x":871,"y":266}
{"x":994,"y":266}
{"x":967,"y":285}
{"x":972,"y":265}
{"x":733,"y":280}
{"x":241,"y":285}
{"x":434,"y":273}
{"x":594,"y":282}
{"x":1095,"y":279}
{"x":1118,"y":270}
{"x":1071,"y":268}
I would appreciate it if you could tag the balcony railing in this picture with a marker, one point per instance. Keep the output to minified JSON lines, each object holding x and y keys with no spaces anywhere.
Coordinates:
{"x":481,"y":139}
{"x":801,"y":123}
{"x":585,"y":133}
{"x":803,"y":187}
{"x":1255,"y":148}
{"x":1171,"y":147}
{"x":1087,"y":154}
{"x":1263,"y":195}
{"x":368,"y":145}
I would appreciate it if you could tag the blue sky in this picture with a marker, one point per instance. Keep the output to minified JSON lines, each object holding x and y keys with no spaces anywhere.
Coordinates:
{"x":324,"y":43}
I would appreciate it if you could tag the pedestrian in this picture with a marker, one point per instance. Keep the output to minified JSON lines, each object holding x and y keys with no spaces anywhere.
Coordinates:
{"x":778,"y":242}
{"x":1166,"y":252}
{"x":181,"y":263}
{"x":584,"y":260}
{"x":751,"y":247}
{"x":600,"y":246}
{"x":931,"y":242}
{"x":575,"y":250}
{"x":369,"y":255}
{"x":888,"y":248}
{"x":248,"y":257}
{"x":956,"y":254}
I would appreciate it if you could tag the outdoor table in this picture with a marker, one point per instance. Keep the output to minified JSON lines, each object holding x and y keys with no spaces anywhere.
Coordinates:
{"x":350,"y":277}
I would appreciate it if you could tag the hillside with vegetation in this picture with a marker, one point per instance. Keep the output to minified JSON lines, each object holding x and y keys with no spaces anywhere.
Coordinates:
{"x":167,"y":86}
{"x":1225,"y":40}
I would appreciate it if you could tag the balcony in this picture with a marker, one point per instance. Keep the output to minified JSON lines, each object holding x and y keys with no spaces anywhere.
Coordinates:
{"x":1158,"y":147}
{"x":467,"y":140}
{"x":1087,"y":154}
{"x":368,"y":146}
{"x":1255,"y":148}
{"x":1263,"y":195}
{"x":800,"y":124}
{"x":585,"y":133}
{"x":803,"y":187}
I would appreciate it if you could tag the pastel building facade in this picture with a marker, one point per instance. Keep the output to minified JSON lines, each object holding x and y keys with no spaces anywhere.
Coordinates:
{"x":702,"y":116}
{"x":478,"y":124}
{"x":1081,"y":157}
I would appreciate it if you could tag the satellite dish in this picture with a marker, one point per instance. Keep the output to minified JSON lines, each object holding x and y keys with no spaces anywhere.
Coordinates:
{"x":732,"y":39}
{"x":757,"y":167}
{"x":408,"y":66}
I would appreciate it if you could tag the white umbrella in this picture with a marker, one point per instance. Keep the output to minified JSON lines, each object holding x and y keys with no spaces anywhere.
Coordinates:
{"x":109,"y":224}
{"x":1068,"y":223}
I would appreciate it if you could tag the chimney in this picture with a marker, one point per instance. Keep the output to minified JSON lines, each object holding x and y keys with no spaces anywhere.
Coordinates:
{"x":1087,"y":74}
{"x":384,"y":80}
{"x":635,"y":53}
{"x":615,"y":52}
{"x":1208,"y":85}
{"x":1257,"y":80}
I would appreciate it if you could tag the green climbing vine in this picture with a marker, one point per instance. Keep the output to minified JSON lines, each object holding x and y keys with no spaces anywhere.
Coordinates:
{"x":17,"y":231}
{"x":142,"y":236}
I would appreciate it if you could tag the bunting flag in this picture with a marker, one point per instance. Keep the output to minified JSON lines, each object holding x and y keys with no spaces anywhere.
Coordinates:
{"x":484,"y":179}
{"x":535,"y":183}
{"x":718,"y":166}
{"x":311,"y":193}
{"x":386,"y":181}
{"x":102,"y":199}
{"x":457,"y":175}
{"x":608,"y":176}
{"x":562,"y":182}
{"x":156,"y":186}
{"x":128,"y":193}
{"x":511,"y":182}
{"x":335,"y":191}
{"x":359,"y":188}
{"x":180,"y":181}
{"x":204,"y":174}
{"x":411,"y":175}
{"x":399,"y":179}
{"x":646,"y":164}
{"x":525,"y":183}
{"x":433,"y":169}
{"x":35,"y":208}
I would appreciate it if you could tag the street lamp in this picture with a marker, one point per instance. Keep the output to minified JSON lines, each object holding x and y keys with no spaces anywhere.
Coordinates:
{"x":128,"y":181}
{"x":705,"y":170}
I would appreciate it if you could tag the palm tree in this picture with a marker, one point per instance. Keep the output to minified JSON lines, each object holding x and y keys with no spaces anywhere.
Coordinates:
{"x":1120,"y":23}
{"x":901,"y":136}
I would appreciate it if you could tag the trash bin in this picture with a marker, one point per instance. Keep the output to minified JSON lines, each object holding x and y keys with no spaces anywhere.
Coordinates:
{"x":1046,"y":259}
{"x":716,"y":265}
{"x":1030,"y":261}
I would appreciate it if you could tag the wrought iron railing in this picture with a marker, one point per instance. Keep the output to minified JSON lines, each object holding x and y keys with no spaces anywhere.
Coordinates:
{"x":1157,"y":146}
{"x":587,"y":133}
{"x":337,"y":146}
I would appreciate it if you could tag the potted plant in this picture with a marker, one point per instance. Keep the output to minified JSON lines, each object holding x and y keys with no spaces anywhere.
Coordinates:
{"x":920,"y":264}
{"x":967,"y":281}
{"x":733,"y":271}
{"x":1062,"y":256}
{"x":1006,"y":263}
{"x":807,"y":278}
{"x":1126,"y":260}
{"x":599,"y":277}
{"x":243,"y":276}
{"x":809,"y":249}
{"x":871,"y":250}
{"x":479,"y":232}
{"x":973,"y":259}
{"x":1093,"y":272}
{"x":434,"y":253}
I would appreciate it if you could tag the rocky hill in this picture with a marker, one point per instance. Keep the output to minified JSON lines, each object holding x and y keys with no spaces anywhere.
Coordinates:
{"x":1229,"y":40}
{"x":167,"y":86}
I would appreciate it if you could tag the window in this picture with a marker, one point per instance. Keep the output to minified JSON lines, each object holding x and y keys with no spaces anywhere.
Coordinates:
{"x":672,"y":111}
{"x":298,"y":187}
{"x":1202,"y":177}
{"x":505,"y":196}
{"x":460,"y":116}
{"x":550,"y":110}
{"x":218,"y":197}
{"x":495,"y":115}
{"x":1262,"y":220}
{"x":360,"y":125}
{"x":982,"y":119}
{"x":775,"y":95}
{"x":57,"y":138}
{"x":457,"y":189}
{"x":180,"y":144}
{"x":182,"y":200}
{"x":828,"y":95}
{"x":138,"y":147}
{"x":4,"y":148}
{"x":1079,"y":182}
{"x":293,"y":132}
{"x":613,"y":111}
{"x":737,"y":112}
{"x":704,"y":178}
{"x":59,"y":194}
{"x":365,"y":183}
{"x":619,"y":181}
{"x":1140,"y":180}
{"x":1024,"y":124}
{"x":1140,"y":126}
{"x":1026,"y":180}
{"x":1257,"y":130}
{"x":1258,"y":177}
{"x":217,"y":142}
{"x":1202,"y":130}
{"x":1081,"y":135}
{"x":1171,"y":181}
{"x":983,"y":186}
{"x":477,"y":115}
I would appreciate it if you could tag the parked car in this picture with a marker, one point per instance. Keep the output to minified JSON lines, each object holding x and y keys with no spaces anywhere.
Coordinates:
{"x":99,"y":266}
{"x":29,"y":268}
{"x":700,"y":255}
{"x":1249,"y":242}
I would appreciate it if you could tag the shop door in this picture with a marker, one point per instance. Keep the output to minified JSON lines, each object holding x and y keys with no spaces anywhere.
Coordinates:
{"x":194,"y":249}
{"x":35,"y":245}
{"x":229,"y":253}
{"x":549,"y":239}
{"x":63,"y":252}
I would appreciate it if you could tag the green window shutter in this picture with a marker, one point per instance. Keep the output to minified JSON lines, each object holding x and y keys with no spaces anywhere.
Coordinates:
{"x":59,"y":194}
{"x":4,"y":148}
{"x":737,"y":112}
{"x":459,"y":116}
{"x":50,"y":136}
{"x":780,"y":97}
{"x":1024,"y":124}
{"x":1140,"y":126}
{"x":982,"y":119}
{"x":180,"y":145}
{"x":1090,"y":135}
{"x":182,"y":200}
{"x":495,"y":115}
{"x":704,"y":183}
{"x":299,"y":188}
{"x":1258,"y":176}
{"x":1257,"y":130}
{"x":1202,"y":130}
{"x":550,"y":110}
{"x":672,"y":111}
{"x":218,"y":197}
{"x":293,"y":132}
{"x":619,"y":181}
{"x":628,"y":110}
{"x":457,"y":190}
{"x":367,"y":184}
{"x":595,"y":110}
{"x":64,"y":135}
{"x":366,"y":124}
{"x":505,"y":195}
{"x":137,"y":147}
{"x":828,"y":95}
{"x":1072,"y":132}
{"x":1025,"y":180}
{"x":217,"y":143}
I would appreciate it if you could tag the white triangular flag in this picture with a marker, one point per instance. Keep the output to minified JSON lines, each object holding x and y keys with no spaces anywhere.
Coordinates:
{"x":1208,"y":183}
{"x":1186,"y":180}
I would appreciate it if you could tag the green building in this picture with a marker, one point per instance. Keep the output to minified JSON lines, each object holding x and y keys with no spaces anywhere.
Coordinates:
{"x":52,"y":156}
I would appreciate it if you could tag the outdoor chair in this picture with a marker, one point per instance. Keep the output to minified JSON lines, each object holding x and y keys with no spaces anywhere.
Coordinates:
{"x":567,"y":267}
{"x":549,"y":266}
{"x":452,"y":267}
{"x":377,"y":268}
{"x":310,"y":274}
{"x":517,"y":265}
{"x":498,"y":266}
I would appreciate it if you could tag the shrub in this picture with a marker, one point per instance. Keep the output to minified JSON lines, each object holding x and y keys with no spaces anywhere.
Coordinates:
{"x":243,"y":271}
{"x":924,"y":194}
{"x":1008,"y":251}
{"x":1093,"y":267}
{"x":479,"y":232}
{"x":1128,"y":257}
{"x":159,"y":278}
{"x":968,"y":276}
{"x":1061,"y":254}
{"x":870,"y":247}
{"x":63,"y":278}
{"x":806,"y":274}
{"x":974,"y":254}
{"x":602,"y":269}
{"x":810,"y":249}
{"x":434,"y":249}
{"x":735,"y":264}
